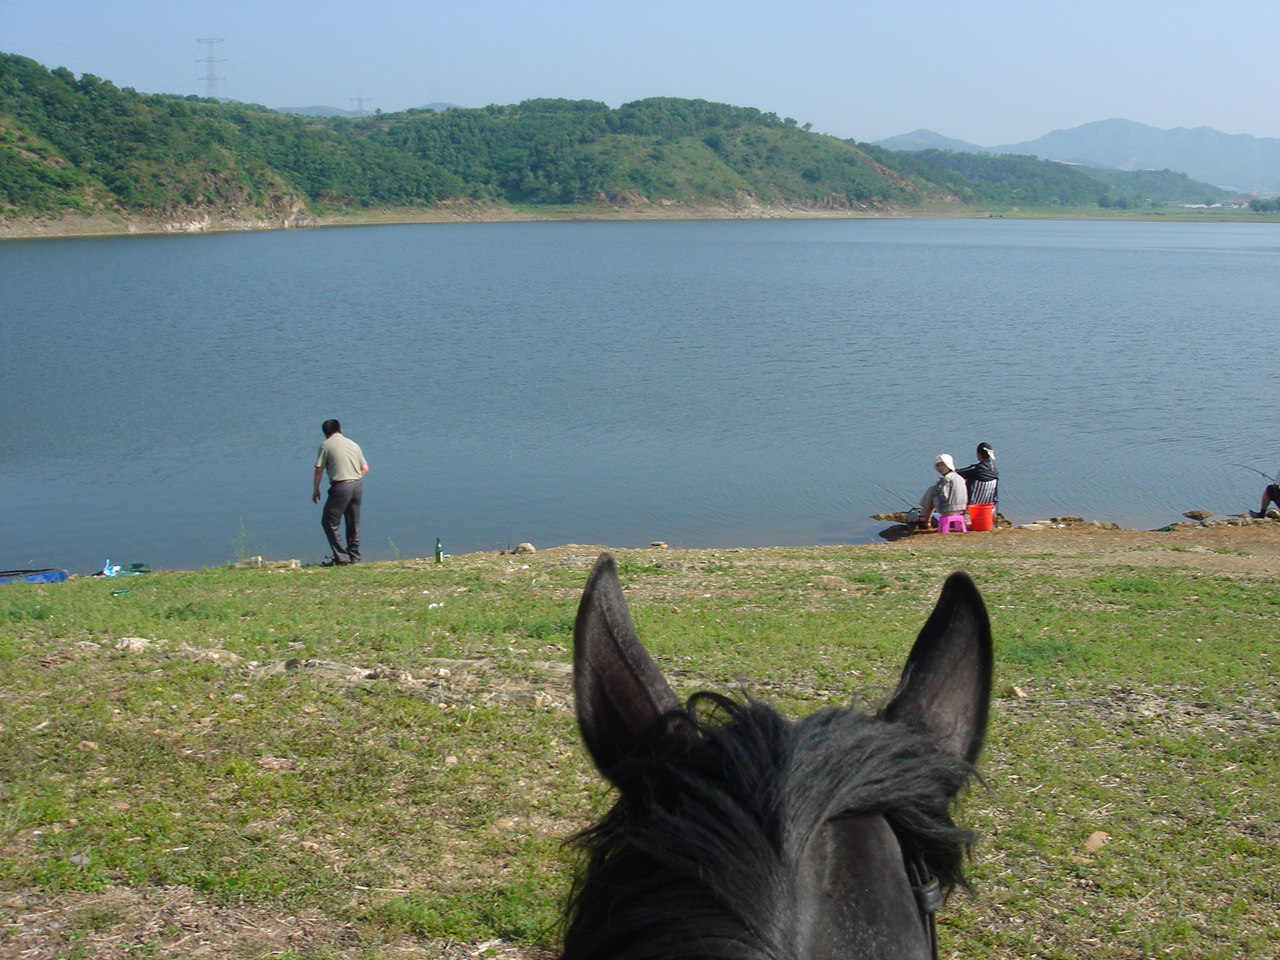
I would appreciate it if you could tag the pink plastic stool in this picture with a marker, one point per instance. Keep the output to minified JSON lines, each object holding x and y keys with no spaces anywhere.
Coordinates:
{"x":952,"y":523}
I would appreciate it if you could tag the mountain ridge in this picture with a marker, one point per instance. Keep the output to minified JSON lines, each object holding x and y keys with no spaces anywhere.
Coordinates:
{"x":1239,"y":162}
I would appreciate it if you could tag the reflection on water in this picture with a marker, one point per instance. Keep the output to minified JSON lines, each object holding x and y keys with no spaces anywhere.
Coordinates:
{"x":700,"y":383}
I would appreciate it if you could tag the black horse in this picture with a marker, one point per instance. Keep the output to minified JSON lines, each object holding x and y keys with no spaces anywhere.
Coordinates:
{"x":739,"y":835}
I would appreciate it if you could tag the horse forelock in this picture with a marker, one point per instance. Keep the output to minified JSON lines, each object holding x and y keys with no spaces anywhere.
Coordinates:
{"x":696,"y":857}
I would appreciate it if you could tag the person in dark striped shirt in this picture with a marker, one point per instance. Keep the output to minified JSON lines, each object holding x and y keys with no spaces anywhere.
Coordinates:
{"x":982,"y":478}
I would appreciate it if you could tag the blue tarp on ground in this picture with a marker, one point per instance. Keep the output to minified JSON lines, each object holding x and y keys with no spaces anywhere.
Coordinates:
{"x":32,"y":576}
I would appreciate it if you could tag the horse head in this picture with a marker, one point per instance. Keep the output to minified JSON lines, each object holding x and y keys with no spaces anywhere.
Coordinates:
{"x":739,"y":835}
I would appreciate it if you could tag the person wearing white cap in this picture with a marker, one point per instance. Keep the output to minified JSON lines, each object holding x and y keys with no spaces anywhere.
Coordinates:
{"x":948,"y":495}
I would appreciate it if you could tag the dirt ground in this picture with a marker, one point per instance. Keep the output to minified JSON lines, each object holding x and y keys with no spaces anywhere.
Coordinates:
{"x":169,"y":923}
{"x":1250,"y":549}
{"x":175,"y":922}
{"x":1253,"y":547}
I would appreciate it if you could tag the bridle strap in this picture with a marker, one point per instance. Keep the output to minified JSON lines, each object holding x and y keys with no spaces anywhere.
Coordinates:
{"x":929,"y":897}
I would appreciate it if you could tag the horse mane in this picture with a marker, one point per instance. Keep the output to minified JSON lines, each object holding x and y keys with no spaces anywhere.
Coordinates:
{"x":715,"y":803}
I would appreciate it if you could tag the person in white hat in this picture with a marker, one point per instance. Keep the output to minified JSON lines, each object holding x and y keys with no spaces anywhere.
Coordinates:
{"x":948,"y":495}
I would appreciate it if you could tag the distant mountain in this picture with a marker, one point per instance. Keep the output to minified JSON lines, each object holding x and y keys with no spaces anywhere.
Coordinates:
{"x":928,"y":140}
{"x":1238,"y":162}
{"x":317,"y":111}
{"x":337,"y":112}
{"x":1232,"y":161}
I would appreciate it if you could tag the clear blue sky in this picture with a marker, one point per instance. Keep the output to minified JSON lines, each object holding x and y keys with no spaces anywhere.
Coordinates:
{"x":986,"y":71}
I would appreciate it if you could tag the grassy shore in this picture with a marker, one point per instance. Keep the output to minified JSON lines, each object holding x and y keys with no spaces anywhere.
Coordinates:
{"x":381,"y":761}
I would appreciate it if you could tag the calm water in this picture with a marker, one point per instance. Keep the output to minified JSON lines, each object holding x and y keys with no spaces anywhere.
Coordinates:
{"x":707,"y":384}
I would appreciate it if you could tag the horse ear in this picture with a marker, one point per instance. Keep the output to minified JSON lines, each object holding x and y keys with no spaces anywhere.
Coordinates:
{"x":945,"y":688}
{"x":621,"y":694}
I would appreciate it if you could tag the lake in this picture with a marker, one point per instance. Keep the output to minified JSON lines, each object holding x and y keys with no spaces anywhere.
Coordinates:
{"x":703,"y":383}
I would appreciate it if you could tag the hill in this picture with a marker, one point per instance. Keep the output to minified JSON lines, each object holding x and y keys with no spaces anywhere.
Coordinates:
{"x":82,"y":146}
{"x":928,"y":140}
{"x":1030,"y":180}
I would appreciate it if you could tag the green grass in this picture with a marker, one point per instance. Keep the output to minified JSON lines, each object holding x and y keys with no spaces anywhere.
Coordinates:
{"x":1140,"y":702}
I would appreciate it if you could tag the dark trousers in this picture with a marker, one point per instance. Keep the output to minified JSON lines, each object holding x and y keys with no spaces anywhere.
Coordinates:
{"x":1273,"y":494}
{"x":343,"y":503}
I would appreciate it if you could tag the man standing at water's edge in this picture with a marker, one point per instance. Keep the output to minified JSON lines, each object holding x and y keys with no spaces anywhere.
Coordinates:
{"x":346,"y":466}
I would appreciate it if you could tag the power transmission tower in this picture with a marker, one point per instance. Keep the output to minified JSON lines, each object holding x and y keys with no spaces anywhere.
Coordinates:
{"x":360,"y":102}
{"x":211,"y":74}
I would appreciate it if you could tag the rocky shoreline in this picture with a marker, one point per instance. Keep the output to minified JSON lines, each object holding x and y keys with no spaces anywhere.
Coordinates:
{"x":296,"y":215}
{"x":293,"y":214}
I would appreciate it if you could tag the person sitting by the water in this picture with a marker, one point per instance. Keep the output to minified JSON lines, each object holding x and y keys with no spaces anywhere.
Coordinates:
{"x":982,"y":477}
{"x":1270,"y":500}
{"x":947,"y":496}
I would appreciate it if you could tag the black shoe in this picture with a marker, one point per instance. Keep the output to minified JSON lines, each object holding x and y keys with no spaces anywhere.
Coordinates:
{"x":334,"y":563}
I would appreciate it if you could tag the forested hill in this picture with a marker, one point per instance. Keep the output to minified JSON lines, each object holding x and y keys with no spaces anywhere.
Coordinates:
{"x":73,"y":144}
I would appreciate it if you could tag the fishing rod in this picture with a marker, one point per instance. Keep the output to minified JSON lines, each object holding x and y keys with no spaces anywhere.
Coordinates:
{"x":893,"y":493}
{"x":1245,"y":466}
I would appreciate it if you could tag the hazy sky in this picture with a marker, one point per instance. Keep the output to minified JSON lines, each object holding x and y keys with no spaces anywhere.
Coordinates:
{"x":986,"y":71}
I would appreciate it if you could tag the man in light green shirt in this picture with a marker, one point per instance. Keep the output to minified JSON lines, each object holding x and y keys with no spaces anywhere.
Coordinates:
{"x":346,"y":466}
